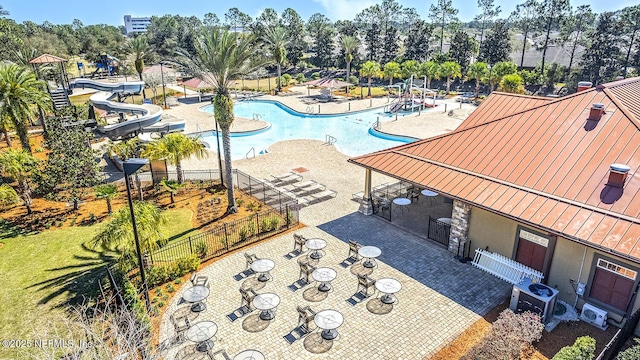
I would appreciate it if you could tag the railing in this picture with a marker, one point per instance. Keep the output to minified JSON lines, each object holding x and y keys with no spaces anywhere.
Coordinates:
{"x":330,"y":140}
{"x":310,"y":109}
{"x":376,"y":125}
{"x":504,"y":268}
{"x":198,"y":129}
{"x":252,"y":150}
{"x":438,"y":231}
{"x":623,"y":334}
{"x":257,"y":117}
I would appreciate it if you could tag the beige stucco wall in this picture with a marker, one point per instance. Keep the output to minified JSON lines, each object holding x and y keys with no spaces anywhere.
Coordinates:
{"x":494,"y":231}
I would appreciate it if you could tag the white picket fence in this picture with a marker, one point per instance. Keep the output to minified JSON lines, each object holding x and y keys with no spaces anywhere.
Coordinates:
{"x":504,"y":268}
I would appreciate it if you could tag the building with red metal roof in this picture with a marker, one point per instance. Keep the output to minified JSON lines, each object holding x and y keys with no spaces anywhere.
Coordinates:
{"x":549,"y":183}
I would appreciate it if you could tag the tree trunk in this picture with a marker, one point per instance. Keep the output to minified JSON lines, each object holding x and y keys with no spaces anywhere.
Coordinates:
{"x":369,"y":85}
{"x":171,"y":195}
{"x":21,"y":130}
{"x":428,"y":83}
{"x":477,"y":88}
{"x":524,"y":48}
{"x":144,"y":95}
{"x":348,"y":74}
{"x":109,"y":208}
{"x":7,"y":138}
{"x":448,"y":84}
{"x":279,"y":78}
{"x":626,"y":60}
{"x":442,"y":32}
{"x":179,"y":172}
{"x":573,"y":52}
{"x":25,"y":194}
{"x":226,"y":145}
{"x":481,"y":36}
{"x":76,"y":204}
{"x":544,"y":47}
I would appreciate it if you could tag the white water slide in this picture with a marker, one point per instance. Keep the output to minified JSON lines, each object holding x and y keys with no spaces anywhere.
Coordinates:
{"x":148,"y":116}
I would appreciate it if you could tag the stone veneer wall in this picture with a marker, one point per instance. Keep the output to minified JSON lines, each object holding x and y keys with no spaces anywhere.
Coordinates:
{"x":459,"y":227}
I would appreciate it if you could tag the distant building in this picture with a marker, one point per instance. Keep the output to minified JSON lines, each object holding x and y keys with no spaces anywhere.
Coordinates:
{"x":134,"y":25}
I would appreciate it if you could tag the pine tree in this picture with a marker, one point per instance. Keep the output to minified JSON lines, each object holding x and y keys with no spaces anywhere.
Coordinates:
{"x":462,"y":49}
{"x":497,"y":46}
{"x":418,"y":40}
{"x":600,"y":61}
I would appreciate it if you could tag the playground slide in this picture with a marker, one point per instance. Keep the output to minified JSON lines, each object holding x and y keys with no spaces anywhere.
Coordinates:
{"x":148,"y":115}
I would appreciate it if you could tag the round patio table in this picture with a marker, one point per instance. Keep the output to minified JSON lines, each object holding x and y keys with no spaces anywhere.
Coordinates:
{"x":201,"y":333}
{"x":369,"y":253}
{"x":328,"y":321}
{"x":266,"y":303}
{"x":324,"y":275}
{"x":249,"y":355}
{"x":445,"y":220}
{"x":431,"y":195}
{"x":389,"y":287}
{"x":263,"y":266}
{"x":316,"y":245}
{"x":196,"y":295}
{"x":402,"y":203}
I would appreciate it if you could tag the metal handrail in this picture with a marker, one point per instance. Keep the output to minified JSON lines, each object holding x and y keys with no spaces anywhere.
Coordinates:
{"x":253,"y":149}
{"x":330,"y":140}
{"x":198,"y":129}
{"x":376,"y":125}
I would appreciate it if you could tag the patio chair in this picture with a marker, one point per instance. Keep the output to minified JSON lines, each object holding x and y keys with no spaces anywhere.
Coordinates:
{"x":214,"y":355}
{"x":299,"y":243}
{"x":364,"y":284}
{"x":247,"y":300}
{"x":180,"y":325}
{"x":199,"y":280}
{"x":353,"y":250}
{"x":305,"y":318}
{"x":305,"y":270}
{"x":250,"y":258}
{"x":413,"y":194}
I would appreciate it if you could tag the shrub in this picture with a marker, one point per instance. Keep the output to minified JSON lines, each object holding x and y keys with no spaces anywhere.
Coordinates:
{"x":300,"y":78}
{"x":170,"y":288}
{"x":510,"y":335}
{"x":353,"y":79}
{"x":251,"y":228}
{"x":240,"y":202}
{"x":160,"y":304}
{"x":315,"y":75}
{"x":274,"y":222}
{"x":187,"y":264}
{"x":201,"y":249}
{"x":265,"y":224}
{"x":631,"y":353}
{"x":244,"y":233}
{"x":162,"y":274}
{"x":583,"y":349}
{"x":285,"y":80}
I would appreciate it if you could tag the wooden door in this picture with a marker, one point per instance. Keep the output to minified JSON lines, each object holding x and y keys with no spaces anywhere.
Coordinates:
{"x":531,"y":254}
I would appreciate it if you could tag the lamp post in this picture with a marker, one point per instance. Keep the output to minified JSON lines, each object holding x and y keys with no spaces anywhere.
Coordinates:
{"x":164,"y":93}
{"x":130,"y":166}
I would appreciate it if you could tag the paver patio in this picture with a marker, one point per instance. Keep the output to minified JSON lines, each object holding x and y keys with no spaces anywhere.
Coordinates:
{"x":440,"y":297}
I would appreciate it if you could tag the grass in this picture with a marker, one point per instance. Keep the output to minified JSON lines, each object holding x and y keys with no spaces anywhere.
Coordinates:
{"x":44,"y":272}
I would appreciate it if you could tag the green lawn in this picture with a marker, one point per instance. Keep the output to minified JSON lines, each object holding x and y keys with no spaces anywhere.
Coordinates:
{"x":42,"y":273}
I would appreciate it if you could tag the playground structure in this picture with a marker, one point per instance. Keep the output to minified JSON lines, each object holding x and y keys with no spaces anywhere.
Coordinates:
{"x":106,"y":66}
{"x":52,"y":70}
{"x":147,"y":116}
{"x":411,"y":97}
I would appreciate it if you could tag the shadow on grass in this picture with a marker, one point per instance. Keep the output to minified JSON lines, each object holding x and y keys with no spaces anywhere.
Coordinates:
{"x":76,"y":282}
{"x":9,"y":230}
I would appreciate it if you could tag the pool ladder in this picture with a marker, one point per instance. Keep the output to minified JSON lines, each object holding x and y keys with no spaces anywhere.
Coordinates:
{"x":251,"y":151}
{"x":310,"y":109}
{"x":330,"y":140}
{"x":257,"y":117}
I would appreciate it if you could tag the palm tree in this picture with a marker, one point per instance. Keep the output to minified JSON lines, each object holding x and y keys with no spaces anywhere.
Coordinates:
{"x":5,"y":125}
{"x":450,"y":70}
{"x":20,"y":95}
{"x":477,"y":71}
{"x":172,"y":187}
{"x":140,"y":51}
{"x":107,"y":192}
{"x":19,"y":164}
{"x":410,"y":68}
{"x":391,"y":70}
{"x":175,"y":148}
{"x":431,"y":70}
{"x":349,"y":45}
{"x":220,"y":56}
{"x":117,"y":233}
{"x":512,"y":83}
{"x":369,"y":70}
{"x":277,"y":38}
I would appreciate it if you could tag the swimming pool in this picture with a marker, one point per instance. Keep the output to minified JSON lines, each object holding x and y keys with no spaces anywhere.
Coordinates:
{"x":350,"y":130}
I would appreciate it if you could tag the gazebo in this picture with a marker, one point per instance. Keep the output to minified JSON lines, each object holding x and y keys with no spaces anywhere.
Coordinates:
{"x":327,"y":83}
{"x":60,"y":96}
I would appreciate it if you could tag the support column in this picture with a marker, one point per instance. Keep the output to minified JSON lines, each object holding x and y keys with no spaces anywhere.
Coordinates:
{"x":366,"y":205}
{"x":459,"y":227}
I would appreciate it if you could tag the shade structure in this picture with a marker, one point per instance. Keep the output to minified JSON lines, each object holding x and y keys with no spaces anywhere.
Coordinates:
{"x":197,"y":83}
{"x":328,"y":83}
{"x":47,"y":59}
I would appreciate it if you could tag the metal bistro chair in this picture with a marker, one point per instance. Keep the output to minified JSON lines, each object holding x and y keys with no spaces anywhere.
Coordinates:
{"x":247,"y":300}
{"x":199,"y":280}
{"x":250,"y":258}
{"x":305,"y":318}
{"x":353,"y":250}
{"x":214,"y":355}
{"x":180,"y":325}
{"x":299,"y":243}
{"x":364,"y":284}
{"x":305,"y":270}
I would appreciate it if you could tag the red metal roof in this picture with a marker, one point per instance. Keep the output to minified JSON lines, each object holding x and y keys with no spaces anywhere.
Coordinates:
{"x":46,"y":59}
{"x":539,"y":161}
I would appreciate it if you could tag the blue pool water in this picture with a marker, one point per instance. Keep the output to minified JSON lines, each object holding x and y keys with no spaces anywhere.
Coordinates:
{"x":351,"y":130}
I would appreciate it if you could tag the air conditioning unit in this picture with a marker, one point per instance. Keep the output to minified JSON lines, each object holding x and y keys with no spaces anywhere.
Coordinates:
{"x":535,"y":297}
{"x":594,"y":316}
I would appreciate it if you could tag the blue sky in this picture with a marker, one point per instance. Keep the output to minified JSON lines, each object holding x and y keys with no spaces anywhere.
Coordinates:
{"x":112,"y":11}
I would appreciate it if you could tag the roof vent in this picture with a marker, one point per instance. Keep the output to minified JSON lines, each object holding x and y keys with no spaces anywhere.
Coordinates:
{"x":597,"y":109}
{"x":584,"y":85}
{"x":618,"y":174}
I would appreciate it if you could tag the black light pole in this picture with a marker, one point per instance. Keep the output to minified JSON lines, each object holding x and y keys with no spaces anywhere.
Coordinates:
{"x":130,"y":166}
{"x":219,"y":156}
{"x":164,"y":94}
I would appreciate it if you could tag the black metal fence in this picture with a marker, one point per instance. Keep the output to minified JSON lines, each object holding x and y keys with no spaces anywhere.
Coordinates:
{"x":264,"y":192}
{"x":438,"y":231}
{"x":228,"y":236}
{"x":622,"y":335}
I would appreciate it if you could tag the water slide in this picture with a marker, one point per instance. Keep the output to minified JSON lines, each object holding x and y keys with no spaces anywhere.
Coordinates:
{"x":147,"y":116}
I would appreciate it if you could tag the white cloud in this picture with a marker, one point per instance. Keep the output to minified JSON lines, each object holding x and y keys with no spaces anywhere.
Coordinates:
{"x":344,"y":9}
